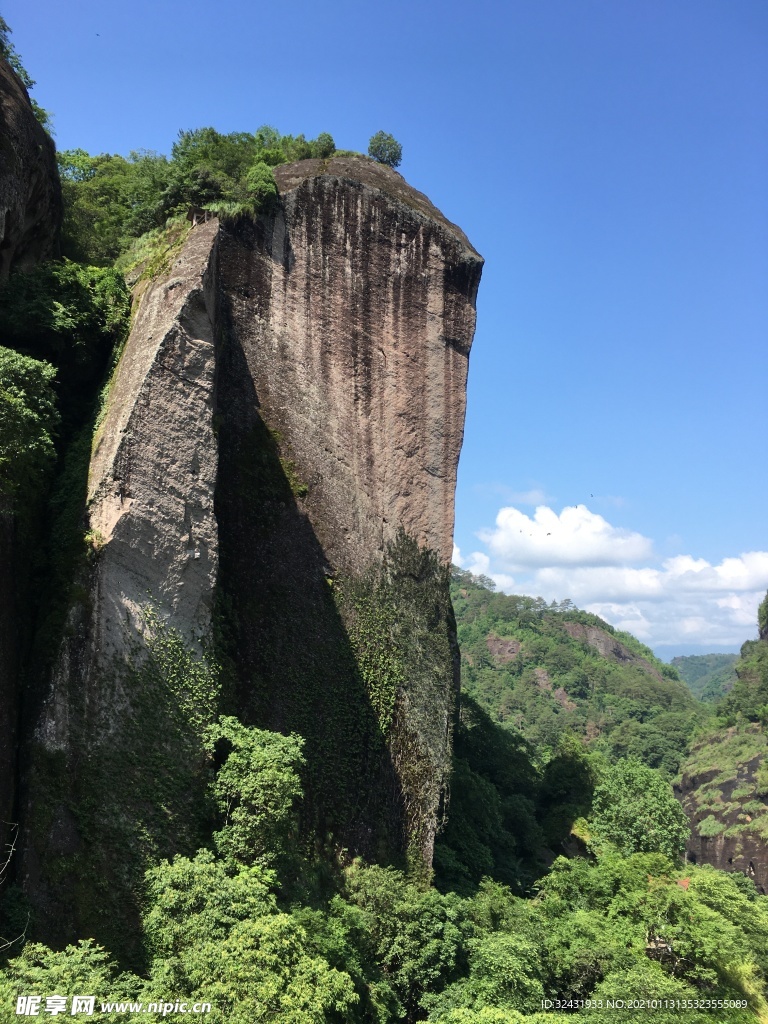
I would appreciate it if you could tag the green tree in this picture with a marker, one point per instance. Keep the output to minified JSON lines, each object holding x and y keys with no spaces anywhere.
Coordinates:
{"x":261,"y":185}
{"x":28,"y":421}
{"x":82,"y":968}
{"x":323,"y":146}
{"x":385,"y":149}
{"x":256,"y":790}
{"x":635,"y":810}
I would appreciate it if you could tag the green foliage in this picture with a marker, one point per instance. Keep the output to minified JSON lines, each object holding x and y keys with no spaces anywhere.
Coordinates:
{"x":73,"y":317}
{"x":152,"y":254}
{"x":635,"y":810}
{"x":28,"y":421}
{"x":195,"y":901}
{"x":710,"y":826}
{"x":385,"y":149}
{"x":261,"y":185}
{"x":492,"y":826}
{"x":369,"y":611}
{"x":256,"y":789}
{"x":215,"y":933}
{"x":762,"y":618}
{"x":82,"y":968}
{"x":110,"y":201}
{"x":409,"y":938}
{"x":504,"y":973}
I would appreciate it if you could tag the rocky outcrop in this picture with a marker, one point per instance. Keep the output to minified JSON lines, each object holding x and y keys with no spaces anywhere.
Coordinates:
{"x":281,"y":440}
{"x":608,"y":646}
{"x":150,"y":490}
{"x":350,"y":315}
{"x":502,"y":649}
{"x":30,"y":194}
{"x":360,"y":357}
{"x":726,"y":803}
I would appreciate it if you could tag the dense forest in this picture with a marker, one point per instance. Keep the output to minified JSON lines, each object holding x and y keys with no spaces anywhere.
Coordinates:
{"x":709,"y":676}
{"x":560,"y":888}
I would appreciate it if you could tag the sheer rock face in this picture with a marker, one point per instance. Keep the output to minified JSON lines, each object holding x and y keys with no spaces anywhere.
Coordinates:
{"x":30,"y":194}
{"x":150,"y":492}
{"x":292,"y":394}
{"x":356,"y":311}
{"x":30,"y":214}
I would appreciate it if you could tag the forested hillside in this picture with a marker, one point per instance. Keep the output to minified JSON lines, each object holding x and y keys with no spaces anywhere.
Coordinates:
{"x":548,"y":671}
{"x":708,"y":676}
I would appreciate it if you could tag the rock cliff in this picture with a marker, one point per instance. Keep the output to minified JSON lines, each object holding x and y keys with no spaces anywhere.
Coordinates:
{"x":273,"y":481}
{"x":30,"y":215}
{"x":30,"y":194}
{"x":726,"y":804}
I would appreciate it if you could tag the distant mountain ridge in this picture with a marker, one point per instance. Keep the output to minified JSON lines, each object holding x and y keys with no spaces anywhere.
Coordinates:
{"x":708,"y":676}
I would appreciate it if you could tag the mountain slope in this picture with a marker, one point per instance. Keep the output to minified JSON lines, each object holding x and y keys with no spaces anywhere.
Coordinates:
{"x":546,"y":671}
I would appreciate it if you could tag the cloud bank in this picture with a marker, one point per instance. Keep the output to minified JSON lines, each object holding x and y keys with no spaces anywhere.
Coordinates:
{"x":614,"y":573}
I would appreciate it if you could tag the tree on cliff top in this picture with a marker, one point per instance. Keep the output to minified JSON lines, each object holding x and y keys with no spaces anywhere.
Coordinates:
{"x":635,"y":810}
{"x":385,"y":149}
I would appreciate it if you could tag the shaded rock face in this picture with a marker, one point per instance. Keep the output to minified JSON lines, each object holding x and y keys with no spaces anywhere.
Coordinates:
{"x":290,"y":400}
{"x":8,"y":694}
{"x":349,"y":318}
{"x":30,"y":194}
{"x":735,"y":847}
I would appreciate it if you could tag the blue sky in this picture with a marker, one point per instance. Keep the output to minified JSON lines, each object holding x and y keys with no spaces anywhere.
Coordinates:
{"x":608,"y":159}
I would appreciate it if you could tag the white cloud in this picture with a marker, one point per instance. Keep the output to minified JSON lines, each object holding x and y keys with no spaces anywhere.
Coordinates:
{"x":612,"y":572}
{"x":533,"y":497}
{"x":479,"y":564}
{"x":575,"y":537}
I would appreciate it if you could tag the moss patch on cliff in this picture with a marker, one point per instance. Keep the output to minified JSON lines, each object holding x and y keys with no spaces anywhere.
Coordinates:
{"x":138,"y":792}
{"x":356,"y":666}
{"x":400,"y":623}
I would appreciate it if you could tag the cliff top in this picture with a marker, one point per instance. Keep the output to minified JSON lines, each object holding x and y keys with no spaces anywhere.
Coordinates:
{"x":367,"y":172}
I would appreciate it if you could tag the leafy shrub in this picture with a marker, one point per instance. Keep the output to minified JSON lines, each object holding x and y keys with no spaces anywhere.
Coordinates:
{"x":28,"y":421}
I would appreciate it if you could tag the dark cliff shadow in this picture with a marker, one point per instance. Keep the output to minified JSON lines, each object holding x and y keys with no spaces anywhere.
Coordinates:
{"x":294,"y":664}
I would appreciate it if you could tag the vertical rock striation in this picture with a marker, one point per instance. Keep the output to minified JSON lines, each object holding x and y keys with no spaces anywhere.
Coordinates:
{"x":350,"y":314}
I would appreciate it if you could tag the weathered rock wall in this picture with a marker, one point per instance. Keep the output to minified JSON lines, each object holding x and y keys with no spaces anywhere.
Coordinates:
{"x":111,"y":744}
{"x":30,"y":194}
{"x":288,"y":407}
{"x":736,"y":847}
{"x":350,"y":315}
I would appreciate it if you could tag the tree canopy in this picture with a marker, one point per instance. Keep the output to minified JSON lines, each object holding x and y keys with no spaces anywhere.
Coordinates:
{"x":385,"y":149}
